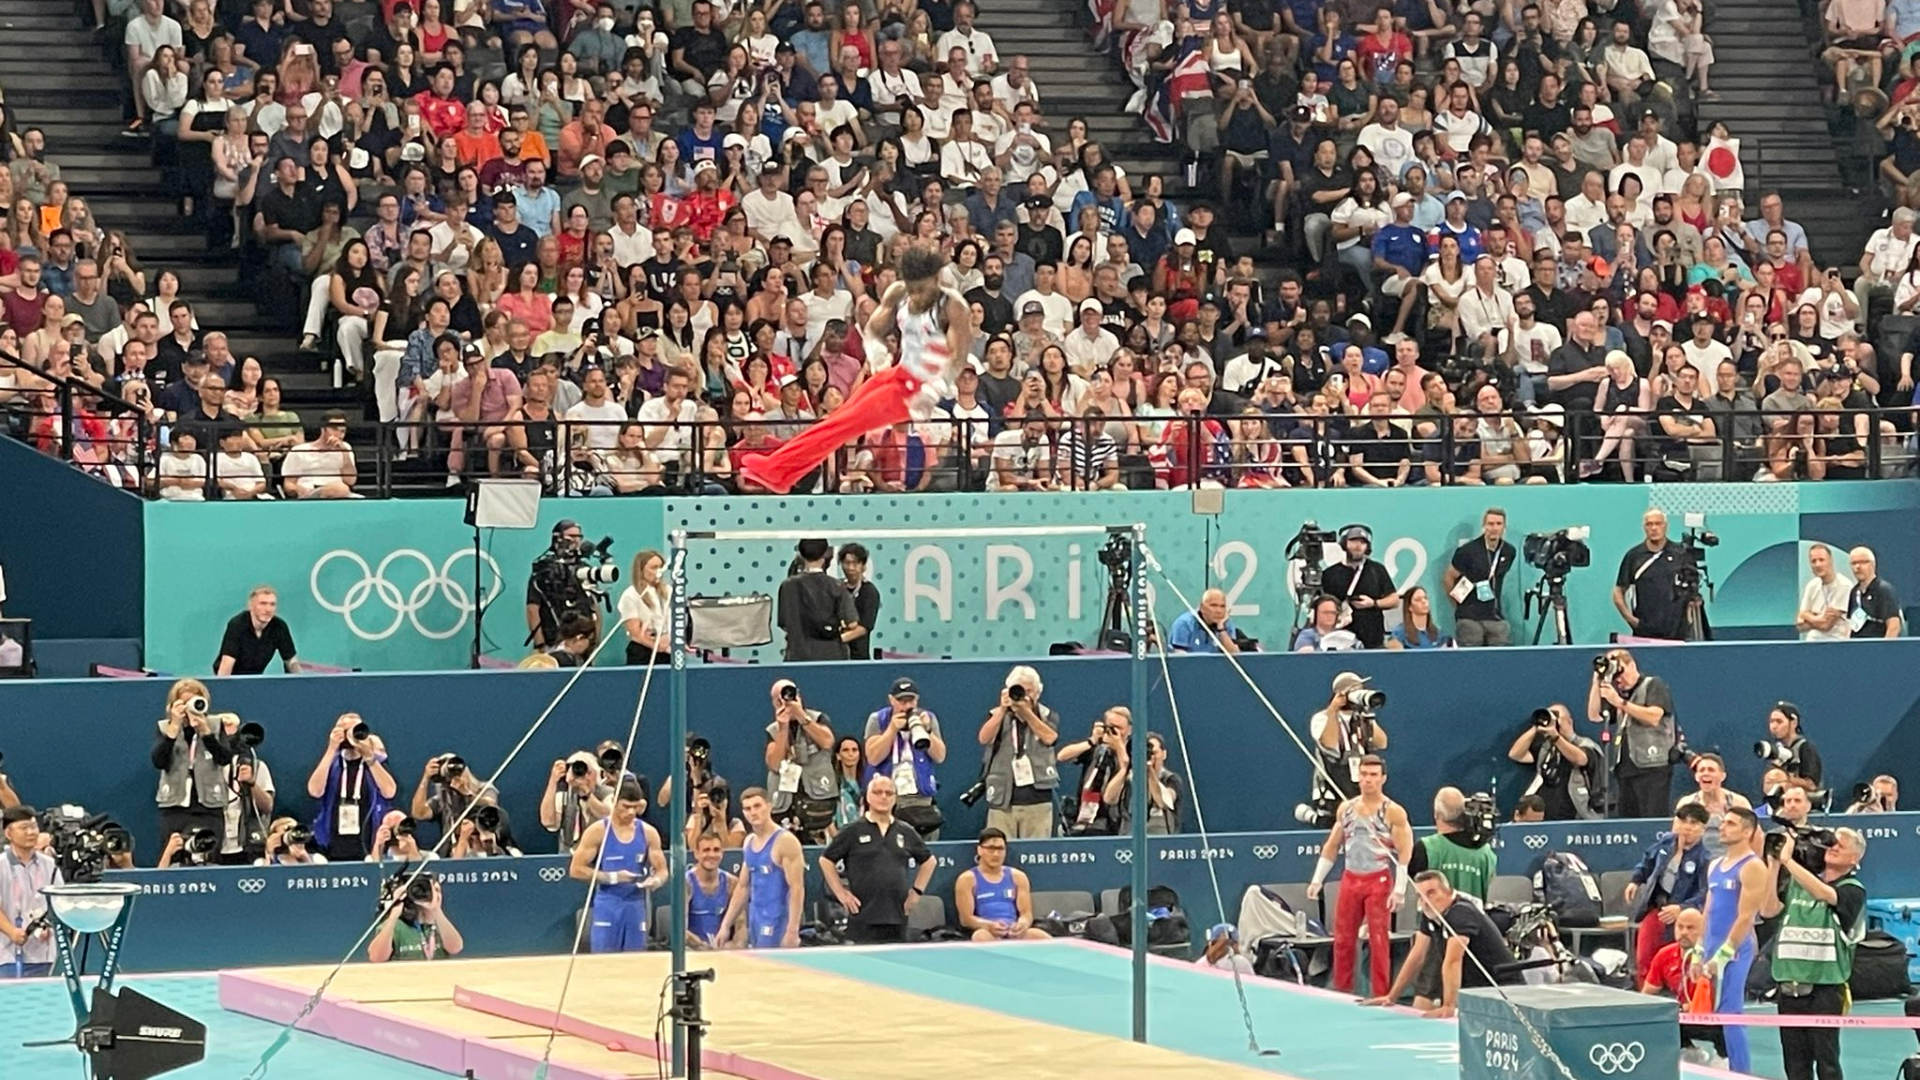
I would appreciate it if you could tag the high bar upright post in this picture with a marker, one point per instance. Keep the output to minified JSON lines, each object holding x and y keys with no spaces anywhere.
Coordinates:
{"x":676,"y":750}
{"x":1137,"y":702}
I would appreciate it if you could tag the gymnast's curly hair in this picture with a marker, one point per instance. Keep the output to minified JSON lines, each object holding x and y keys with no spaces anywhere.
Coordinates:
{"x":920,"y":262}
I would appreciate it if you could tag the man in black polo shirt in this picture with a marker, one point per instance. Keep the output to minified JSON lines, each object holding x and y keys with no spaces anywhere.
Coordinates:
{"x":1873,"y":608}
{"x":1649,"y":571}
{"x":518,"y":243}
{"x":1455,"y":924}
{"x":876,"y":851}
{"x":254,"y":636}
{"x":1473,"y":581}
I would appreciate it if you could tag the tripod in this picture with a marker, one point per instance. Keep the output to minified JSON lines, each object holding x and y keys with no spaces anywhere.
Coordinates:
{"x":685,"y":1014}
{"x":1116,"y":616}
{"x":1549,"y":594}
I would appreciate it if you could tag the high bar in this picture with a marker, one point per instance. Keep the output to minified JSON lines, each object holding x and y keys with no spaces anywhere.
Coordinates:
{"x":905,"y":534}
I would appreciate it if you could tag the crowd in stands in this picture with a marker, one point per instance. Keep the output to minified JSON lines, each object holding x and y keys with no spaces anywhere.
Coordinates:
{"x":619,"y":248}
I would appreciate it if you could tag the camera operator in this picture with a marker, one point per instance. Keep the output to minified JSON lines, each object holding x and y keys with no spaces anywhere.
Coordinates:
{"x":416,"y":926}
{"x":1639,"y":710}
{"x":196,"y":847}
{"x":255,"y":636}
{"x":577,"y":635}
{"x":1163,"y":789}
{"x":877,"y":850}
{"x":799,"y":758}
{"x":192,"y":755}
{"x":1712,"y":795}
{"x":1373,"y":836}
{"x":577,"y":797}
{"x":26,"y":938}
{"x":1873,"y":607}
{"x":1647,"y":590}
{"x":1088,"y":813}
{"x":1459,"y":846}
{"x":622,"y":855}
{"x":903,"y":742}
{"x":1019,"y":771}
{"x":1363,"y":587}
{"x":396,"y":840}
{"x":290,"y":843}
{"x":1789,"y":750}
{"x":1347,"y":731}
{"x":446,"y":788}
{"x":1563,"y":764}
{"x":1205,"y":629}
{"x":1473,"y":581}
{"x":487,"y":834}
{"x":354,"y":789}
{"x":814,"y":611}
{"x":1671,"y":878}
{"x":250,"y":793}
{"x":696,"y":778}
{"x":1822,"y":918}
{"x":712,"y":812}
{"x":554,"y":590}
{"x":1881,"y":796}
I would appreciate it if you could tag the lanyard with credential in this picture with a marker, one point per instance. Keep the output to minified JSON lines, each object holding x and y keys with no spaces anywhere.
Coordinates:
{"x":359,"y":771}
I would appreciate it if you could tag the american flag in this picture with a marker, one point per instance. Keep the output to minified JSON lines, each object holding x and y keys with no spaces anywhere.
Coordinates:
{"x":1188,"y":78}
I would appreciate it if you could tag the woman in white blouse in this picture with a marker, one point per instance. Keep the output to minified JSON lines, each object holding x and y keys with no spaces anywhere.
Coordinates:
{"x":643,"y":609}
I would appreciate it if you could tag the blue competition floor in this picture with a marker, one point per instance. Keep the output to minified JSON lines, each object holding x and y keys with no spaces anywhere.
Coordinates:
{"x":1194,"y":1012}
{"x":40,"y":1010}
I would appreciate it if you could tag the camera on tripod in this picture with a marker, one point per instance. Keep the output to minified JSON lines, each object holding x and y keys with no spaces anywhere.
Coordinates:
{"x":1307,"y":552}
{"x":1691,"y":574}
{"x":1555,"y":553}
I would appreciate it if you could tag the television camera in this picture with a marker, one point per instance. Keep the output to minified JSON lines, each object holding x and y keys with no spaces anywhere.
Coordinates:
{"x":1555,"y":554}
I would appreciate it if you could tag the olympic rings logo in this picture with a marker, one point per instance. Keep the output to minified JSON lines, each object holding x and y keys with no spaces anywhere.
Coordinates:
{"x":252,"y":885}
{"x":1266,"y":851}
{"x":1536,"y":841}
{"x":1612,"y":1058}
{"x":374,"y":586}
{"x":552,"y":874}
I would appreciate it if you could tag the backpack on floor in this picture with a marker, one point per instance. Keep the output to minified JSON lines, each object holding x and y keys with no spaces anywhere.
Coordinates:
{"x":1279,"y":958}
{"x":1880,"y":967}
{"x":1564,"y":884}
{"x":1168,"y":933}
{"x":1071,"y":924}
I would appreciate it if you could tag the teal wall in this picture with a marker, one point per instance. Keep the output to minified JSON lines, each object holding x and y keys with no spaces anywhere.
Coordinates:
{"x":71,"y":548}
{"x":963,"y":596}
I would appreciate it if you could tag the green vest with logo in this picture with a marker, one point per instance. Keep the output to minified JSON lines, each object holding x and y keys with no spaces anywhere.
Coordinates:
{"x":410,"y":942}
{"x":1813,"y":947}
{"x":1468,"y":870}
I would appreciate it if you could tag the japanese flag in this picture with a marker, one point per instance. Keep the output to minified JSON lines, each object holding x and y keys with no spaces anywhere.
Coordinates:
{"x":1722,"y":161}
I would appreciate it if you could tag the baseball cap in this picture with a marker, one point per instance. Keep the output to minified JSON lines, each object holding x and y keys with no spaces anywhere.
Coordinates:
{"x":1456,"y":195}
{"x":1032,"y":307}
{"x":1185,"y":236}
{"x":1361,"y":318}
{"x":903,"y":687}
{"x":734,"y":140}
{"x":1090,"y":304}
{"x":1553,"y":414}
{"x":1346,"y":682}
{"x":1399,"y":200}
{"x":786,"y":380}
{"x":617,"y":146}
{"x":1662,"y":324}
{"x":704,"y":165}
{"x":71,"y":319}
{"x":591,"y":159}
{"x":649,"y":332}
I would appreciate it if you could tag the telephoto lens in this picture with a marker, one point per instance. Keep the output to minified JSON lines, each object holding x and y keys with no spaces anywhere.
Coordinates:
{"x":487,"y":818}
{"x":1016,"y":692}
{"x":360,"y":731}
{"x":578,"y":769}
{"x":611,"y":759}
{"x":789,"y":692}
{"x":452,"y":766}
{"x":197,"y":704}
{"x":403,"y":827}
{"x":420,"y":889}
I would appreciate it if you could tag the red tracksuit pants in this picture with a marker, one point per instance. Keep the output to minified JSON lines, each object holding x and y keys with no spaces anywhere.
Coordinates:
{"x":1363,"y":897}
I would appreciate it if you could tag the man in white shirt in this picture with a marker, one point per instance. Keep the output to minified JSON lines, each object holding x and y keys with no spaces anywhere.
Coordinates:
{"x":1250,"y":370}
{"x":1090,"y":345}
{"x":145,"y":34}
{"x":323,"y":468}
{"x":1888,"y":253}
{"x":1628,"y":69}
{"x":1589,"y":208}
{"x":826,"y":301}
{"x":1022,"y":150}
{"x":892,"y":86}
{"x":1704,"y":352}
{"x":1390,"y":144}
{"x":236,"y":469}
{"x":1458,"y":123}
{"x":963,"y":157}
{"x":454,"y":238}
{"x":1478,"y":57}
{"x":981,"y":59}
{"x":1024,"y":457}
{"x":1823,"y":602}
{"x":769,"y":208}
{"x":1015,"y":85}
{"x":1838,"y":307}
{"x":669,"y":419}
{"x":603,"y":414}
{"x":1057,"y":308}
{"x":632,"y":241}
{"x":1532,"y":342}
{"x":833,"y":111}
{"x":1486,"y":310}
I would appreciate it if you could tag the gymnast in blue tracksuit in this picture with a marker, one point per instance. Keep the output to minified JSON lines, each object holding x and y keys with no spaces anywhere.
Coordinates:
{"x":1737,"y":883}
{"x":709,"y":894}
{"x":621,"y":854}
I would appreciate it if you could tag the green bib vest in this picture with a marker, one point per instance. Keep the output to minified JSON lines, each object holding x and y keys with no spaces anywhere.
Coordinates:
{"x":1468,"y":870}
{"x":1813,"y":947}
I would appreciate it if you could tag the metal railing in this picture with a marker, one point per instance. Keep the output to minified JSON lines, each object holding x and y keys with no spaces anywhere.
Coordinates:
{"x":67,"y":417}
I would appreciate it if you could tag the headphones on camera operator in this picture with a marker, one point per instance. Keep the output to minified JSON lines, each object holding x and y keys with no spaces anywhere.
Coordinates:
{"x":569,"y":577}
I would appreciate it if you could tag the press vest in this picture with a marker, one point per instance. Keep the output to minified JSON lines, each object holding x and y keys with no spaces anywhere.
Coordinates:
{"x":1813,"y":947}
{"x":1468,"y":870}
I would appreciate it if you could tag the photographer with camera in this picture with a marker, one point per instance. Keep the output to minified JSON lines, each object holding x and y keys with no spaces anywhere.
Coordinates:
{"x":1018,"y":773}
{"x":1822,"y":918}
{"x":486,"y":834}
{"x":1712,"y":795}
{"x":903,"y":742}
{"x":1363,"y":587}
{"x":1873,"y":607}
{"x":799,"y":758}
{"x":1205,"y":629}
{"x":1880,"y":796}
{"x":1670,"y":878}
{"x":446,"y":788}
{"x":192,"y":754}
{"x":1088,"y":813}
{"x":1474,"y":579}
{"x":1346,"y":732}
{"x":1638,"y":712}
{"x":289,"y":843}
{"x":577,"y":797}
{"x":1648,"y":590}
{"x":1372,"y":834}
{"x":1789,"y":750}
{"x":396,"y":840}
{"x":1164,"y":789}
{"x":1563,"y":763}
{"x":250,"y":793}
{"x":816,"y":612}
{"x":416,"y":926}
{"x":563,"y":583}
{"x":712,"y":812}
{"x":622,"y":856}
{"x":26,"y":935}
{"x":353,"y":787}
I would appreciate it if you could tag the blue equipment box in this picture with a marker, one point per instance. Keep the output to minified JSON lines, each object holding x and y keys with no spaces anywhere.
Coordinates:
{"x":1598,"y":1032}
{"x":1901,"y":918}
